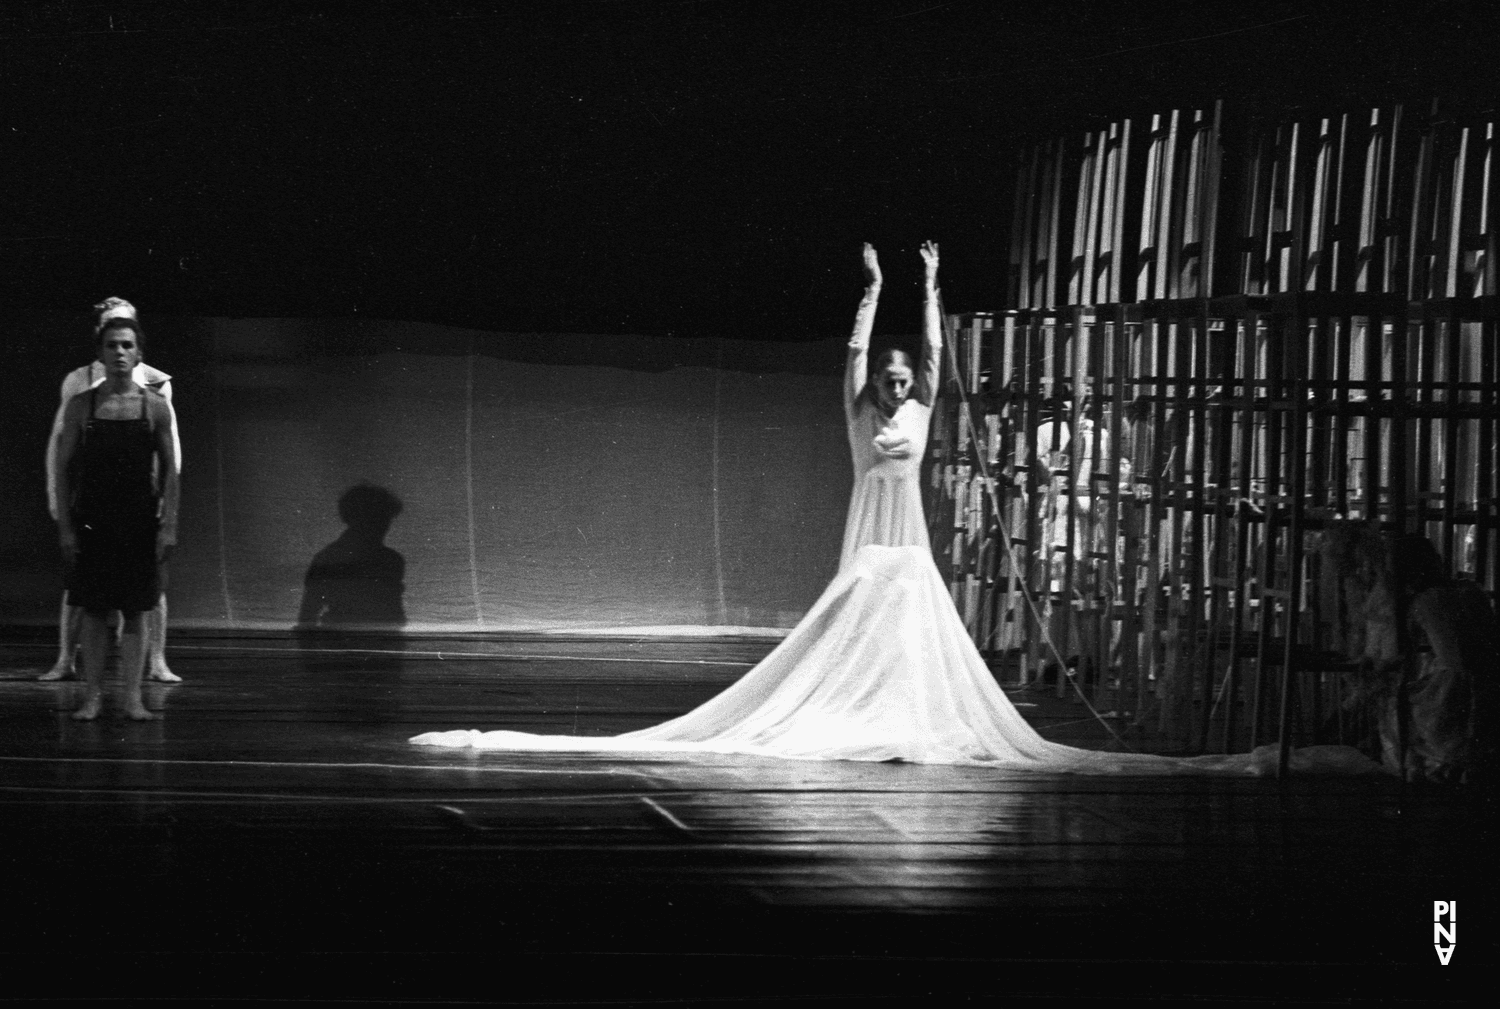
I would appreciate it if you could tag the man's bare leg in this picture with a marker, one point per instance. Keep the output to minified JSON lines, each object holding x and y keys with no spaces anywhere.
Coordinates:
{"x":156,"y":644}
{"x":68,"y":620}
{"x":94,"y":639}
{"x":132,"y":662}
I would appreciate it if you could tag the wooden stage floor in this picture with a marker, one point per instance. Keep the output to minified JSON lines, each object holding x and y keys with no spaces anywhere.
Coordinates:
{"x":275,"y":820}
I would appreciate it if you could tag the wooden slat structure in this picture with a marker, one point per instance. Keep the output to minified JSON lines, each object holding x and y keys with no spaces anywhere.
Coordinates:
{"x":1224,"y":333}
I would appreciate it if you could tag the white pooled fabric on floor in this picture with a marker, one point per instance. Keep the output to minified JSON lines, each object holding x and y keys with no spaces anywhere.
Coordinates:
{"x":868,"y":674}
{"x":881,"y":668}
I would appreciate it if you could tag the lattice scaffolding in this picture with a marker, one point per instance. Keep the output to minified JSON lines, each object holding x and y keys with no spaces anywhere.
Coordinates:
{"x":1223,"y":335}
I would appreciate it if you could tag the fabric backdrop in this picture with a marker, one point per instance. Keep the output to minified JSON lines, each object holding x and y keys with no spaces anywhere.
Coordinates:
{"x":544,"y":482}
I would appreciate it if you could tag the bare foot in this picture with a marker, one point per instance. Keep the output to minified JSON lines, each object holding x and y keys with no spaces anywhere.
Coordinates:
{"x":161,"y":674}
{"x":90,"y":709}
{"x":136,"y":711}
{"x":61,"y":671}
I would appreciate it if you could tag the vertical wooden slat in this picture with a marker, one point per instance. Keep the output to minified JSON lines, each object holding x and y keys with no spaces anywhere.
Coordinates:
{"x":1067,"y":367}
{"x":1316,"y":272}
{"x":1054,"y":223}
{"x":1164,"y":208}
{"x":1396,"y":439}
{"x":1002,"y":385}
{"x":1117,"y":232}
{"x":1080,"y":268}
{"x":1116,"y":602}
{"x":1293,"y":249}
{"x":1252,"y":218}
{"x":1488,"y":486}
{"x":1132,"y":518}
{"x":1242,"y":512}
{"x":1093,"y":212}
{"x":1217,"y":498}
{"x":1276,"y":226}
{"x":1103,"y":496}
{"x":1484,"y":272}
{"x":1038,"y":563}
{"x":1419,"y":234}
{"x":1369,"y":274}
{"x":1489,"y":482}
{"x":1272,"y":500}
{"x":1209,"y":206}
{"x":1453,"y":265}
{"x":1345,"y":216}
{"x":1148,"y":254}
{"x":1393,"y":257}
{"x":1297,"y":424}
{"x":1018,"y":270}
{"x":1179,"y":609}
{"x":1200,"y":633}
{"x":1343,"y":363}
{"x":1156,"y":347}
{"x":1040,"y":235}
{"x":1379,"y":420}
{"x":1187,"y":247}
{"x":1449,"y":479}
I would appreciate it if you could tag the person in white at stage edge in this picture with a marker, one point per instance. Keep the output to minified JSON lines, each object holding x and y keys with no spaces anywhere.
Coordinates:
{"x":70,"y":617}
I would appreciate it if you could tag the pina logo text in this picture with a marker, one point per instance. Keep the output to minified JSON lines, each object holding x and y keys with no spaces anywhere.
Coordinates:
{"x":1444,"y":933}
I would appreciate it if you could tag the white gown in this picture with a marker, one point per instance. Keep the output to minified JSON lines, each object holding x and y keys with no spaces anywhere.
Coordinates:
{"x":881,"y":667}
{"x":885,"y":507}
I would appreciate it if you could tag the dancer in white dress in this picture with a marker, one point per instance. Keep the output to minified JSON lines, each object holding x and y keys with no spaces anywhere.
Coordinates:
{"x":881,"y":667}
{"x":887,"y":410}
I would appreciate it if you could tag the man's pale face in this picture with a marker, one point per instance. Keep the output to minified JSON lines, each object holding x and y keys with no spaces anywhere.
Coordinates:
{"x":119,"y":352}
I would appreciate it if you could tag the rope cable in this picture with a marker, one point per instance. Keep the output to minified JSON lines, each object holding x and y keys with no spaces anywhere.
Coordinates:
{"x":1027,"y":593}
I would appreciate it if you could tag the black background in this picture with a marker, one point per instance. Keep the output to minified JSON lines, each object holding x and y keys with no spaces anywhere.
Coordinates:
{"x":675,"y":168}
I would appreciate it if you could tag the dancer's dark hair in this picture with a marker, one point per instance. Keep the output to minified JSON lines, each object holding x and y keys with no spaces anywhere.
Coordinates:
{"x":896,"y":356}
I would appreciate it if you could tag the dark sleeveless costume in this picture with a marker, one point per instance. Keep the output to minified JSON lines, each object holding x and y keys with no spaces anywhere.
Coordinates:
{"x":115,"y":513}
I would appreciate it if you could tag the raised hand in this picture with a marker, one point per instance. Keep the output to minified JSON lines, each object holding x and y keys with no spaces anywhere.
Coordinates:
{"x":930,"y":258}
{"x":872,"y":266}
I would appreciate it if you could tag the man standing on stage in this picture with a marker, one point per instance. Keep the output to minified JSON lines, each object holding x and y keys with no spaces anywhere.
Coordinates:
{"x":79,"y":381}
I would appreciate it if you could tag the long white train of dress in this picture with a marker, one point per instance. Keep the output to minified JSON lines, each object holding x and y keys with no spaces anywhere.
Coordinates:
{"x":881,"y":668}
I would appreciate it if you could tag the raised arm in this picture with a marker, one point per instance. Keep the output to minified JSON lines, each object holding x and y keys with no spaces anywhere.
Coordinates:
{"x":929,"y":372}
{"x":856,"y":366}
{"x":163,"y":427}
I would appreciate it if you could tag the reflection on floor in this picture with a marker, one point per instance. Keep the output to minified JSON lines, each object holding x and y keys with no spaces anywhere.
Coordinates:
{"x":276,"y":808}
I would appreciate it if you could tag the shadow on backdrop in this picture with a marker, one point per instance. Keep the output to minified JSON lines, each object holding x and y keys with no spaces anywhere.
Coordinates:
{"x":354,"y":585}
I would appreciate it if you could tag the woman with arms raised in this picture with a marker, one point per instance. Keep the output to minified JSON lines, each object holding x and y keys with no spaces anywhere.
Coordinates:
{"x":881,"y":667}
{"x":888,"y":409}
